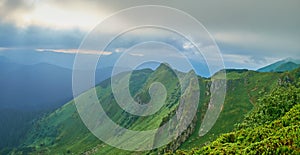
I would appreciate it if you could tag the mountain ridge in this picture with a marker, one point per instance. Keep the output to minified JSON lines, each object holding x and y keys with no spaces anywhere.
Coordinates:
{"x":254,"y":85}
{"x":287,"y":64}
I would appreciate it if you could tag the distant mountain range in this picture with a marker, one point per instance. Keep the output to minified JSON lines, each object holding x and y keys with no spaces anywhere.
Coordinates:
{"x":281,"y":66}
{"x":30,"y":90}
{"x":38,"y":86}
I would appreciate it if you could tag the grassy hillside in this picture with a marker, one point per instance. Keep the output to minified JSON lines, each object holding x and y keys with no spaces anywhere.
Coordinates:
{"x":243,"y":89}
{"x":63,"y":132}
{"x":272,"y":127}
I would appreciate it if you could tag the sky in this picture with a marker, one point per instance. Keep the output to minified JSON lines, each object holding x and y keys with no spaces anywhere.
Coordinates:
{"x":250,"y":34}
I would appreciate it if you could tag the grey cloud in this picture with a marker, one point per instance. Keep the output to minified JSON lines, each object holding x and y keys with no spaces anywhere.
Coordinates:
{"x":277,"y":23}
{"x":9,"y":7}
{"x":258,"y":59}
{"x":38,"y":37}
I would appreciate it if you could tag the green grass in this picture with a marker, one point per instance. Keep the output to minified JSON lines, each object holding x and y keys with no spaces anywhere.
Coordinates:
{"x":243,"y":89}
{"x":263,"y":132}
{"x":63,"y":132}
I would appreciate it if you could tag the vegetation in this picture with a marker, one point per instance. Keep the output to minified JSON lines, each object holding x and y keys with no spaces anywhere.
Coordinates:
{"x":272,"y":127}
{"x":272,"y":106}
{"x":243,"y":89}
{"x":14,"y":125}
{"x":270,"y":101}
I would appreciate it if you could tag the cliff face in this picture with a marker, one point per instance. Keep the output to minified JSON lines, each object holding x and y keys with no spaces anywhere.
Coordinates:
{"x":183,"y":119}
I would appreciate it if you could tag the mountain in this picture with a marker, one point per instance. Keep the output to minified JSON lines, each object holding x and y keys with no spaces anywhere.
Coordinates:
{"x":35,"y":87}
{"x":31,"y":91}
{"x":244,"y":87}
{"x":272,"y":127}
{"x":32,"y":57}
{"x":63,"y":131}
{"x":66,"y":118}
{"x":288,"y":66}
{"x":281,"y":66}
{"x":66,"y":60}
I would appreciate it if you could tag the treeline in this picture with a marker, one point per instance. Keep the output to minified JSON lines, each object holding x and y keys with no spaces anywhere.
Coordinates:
{"x":16,"y":129}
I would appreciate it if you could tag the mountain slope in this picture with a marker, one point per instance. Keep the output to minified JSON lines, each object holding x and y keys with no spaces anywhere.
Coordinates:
{"x":281,"y":66}
{"x":30,"y":91}
{"x":271,"y":128}
{"x":63,"y":132}
{"x":52,"y":132}
{"x":243,"y":89}
{"x":287,"y":67}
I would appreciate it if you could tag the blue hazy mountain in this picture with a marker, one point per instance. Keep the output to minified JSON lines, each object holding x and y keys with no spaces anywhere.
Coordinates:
{"x":29,"y":91}
{"x":38,"y":86}
{"x":66,"y":60}
{"x":281,"y":66}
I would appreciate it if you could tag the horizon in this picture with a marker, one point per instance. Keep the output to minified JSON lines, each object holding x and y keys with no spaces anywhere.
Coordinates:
{"x":152,"y":66}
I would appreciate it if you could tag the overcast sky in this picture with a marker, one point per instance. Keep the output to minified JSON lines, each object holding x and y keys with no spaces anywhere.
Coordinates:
{"x":250,"y":34}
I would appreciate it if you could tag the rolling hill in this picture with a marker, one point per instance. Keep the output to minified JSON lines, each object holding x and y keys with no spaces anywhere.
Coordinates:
{"x":63,"y":132}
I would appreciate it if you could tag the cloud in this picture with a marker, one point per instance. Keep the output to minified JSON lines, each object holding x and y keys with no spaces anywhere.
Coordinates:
{"x":74,"y":51}
{"x":12,"y":7}
{"x":136,"y":54}
{"x":38,"y":37}
{"x":248,"y":33}
{"x":76,"y":14}
{"x":256,"y":41}
{"x":248,"y":62}
{"x":257,"y":60}
{"x":119,"y":50}
{"x":5,"y":49}
{"x":187,"y":45}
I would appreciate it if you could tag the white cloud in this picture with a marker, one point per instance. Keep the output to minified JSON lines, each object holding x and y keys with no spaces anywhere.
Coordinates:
{"x":5,"y":48}
{"x":118,"y":50}
{"x":187,"y":45}
{"x":243,"y":61}
{"x":76,"y":51}
{"x":136,"y":54}
{"x":50,"y":14}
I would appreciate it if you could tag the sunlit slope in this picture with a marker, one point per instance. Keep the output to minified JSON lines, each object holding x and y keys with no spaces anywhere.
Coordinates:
{"x":272,"y":127}
{"x":63,"y":131}
{"x":243,"y":89}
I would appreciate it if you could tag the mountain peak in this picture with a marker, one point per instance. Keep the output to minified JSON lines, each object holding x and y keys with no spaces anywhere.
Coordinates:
{"x":163,"y":66}
{"x":290,"y":59}
{"x":286,"y":64}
